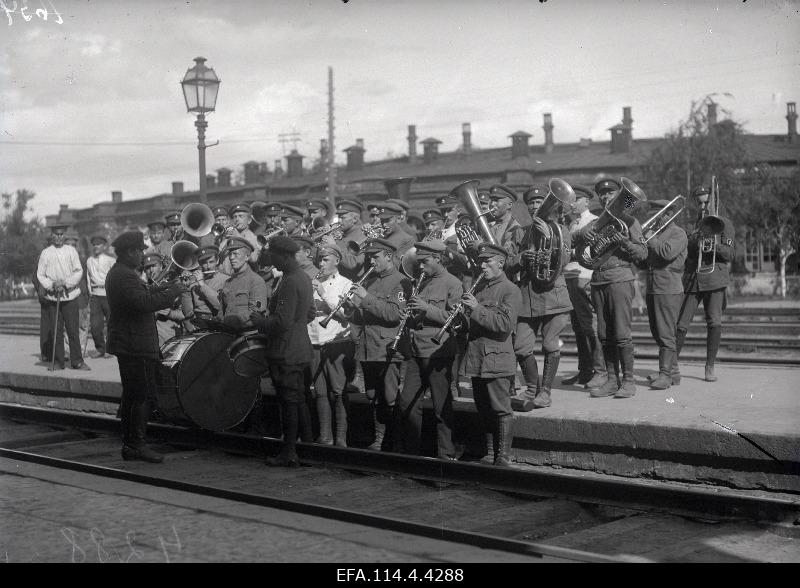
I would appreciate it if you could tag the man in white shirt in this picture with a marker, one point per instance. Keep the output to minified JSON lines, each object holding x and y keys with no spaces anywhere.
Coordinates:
{"x":590,"y":352}
{"x":59,"y":272}
{"x":333,"y":349}
{"x":97,"y":267}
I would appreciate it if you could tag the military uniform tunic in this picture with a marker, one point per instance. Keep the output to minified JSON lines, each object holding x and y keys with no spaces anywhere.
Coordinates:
{"x":243,"y":294}
{"x":351,"y":264}
{"x":374,"y":325}
{"x":402,"y":240}
{"x":666,"y":255}
{"x":442,"y":292}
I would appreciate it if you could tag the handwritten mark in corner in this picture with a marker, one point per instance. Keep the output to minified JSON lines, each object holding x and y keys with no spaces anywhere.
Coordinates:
{"x":24,"y":11}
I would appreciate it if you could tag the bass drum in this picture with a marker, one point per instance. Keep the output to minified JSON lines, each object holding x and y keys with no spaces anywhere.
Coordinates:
{"x":197,"y":384}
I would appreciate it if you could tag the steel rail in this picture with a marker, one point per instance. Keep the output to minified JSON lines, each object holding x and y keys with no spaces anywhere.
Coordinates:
{"x":712,"y":502}
{"x":386,"y":523}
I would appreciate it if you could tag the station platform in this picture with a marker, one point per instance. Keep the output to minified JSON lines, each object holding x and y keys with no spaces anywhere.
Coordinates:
{"x":742,"y":431}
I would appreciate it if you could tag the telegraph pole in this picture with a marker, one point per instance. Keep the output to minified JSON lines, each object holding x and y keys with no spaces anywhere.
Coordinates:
{"x":331,"y":159}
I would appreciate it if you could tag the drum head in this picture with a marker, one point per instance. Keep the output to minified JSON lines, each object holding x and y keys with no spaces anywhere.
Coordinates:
{"x":211,"y":394}
{"x":248,"y":355}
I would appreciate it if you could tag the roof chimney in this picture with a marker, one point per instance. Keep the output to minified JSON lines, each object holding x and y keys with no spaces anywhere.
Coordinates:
{"x":412,"y":143}
{"x":355,"y":156}
{"x":116,"y":197}
{"x":622,"y":134}
{"x":712,"y":113}
{"x":430,"y":148}
{"x":548,"y":132}
{"x":211,"y":180}
{"x":177,"y":187}
{"x":519,"y":144}
{"x":466,"y":132}
{"x":791,"y":118}
{"x":251,"y":172}
{"x":223,"y":177}
{"x":294,"y":164}
{"x":278,"y":169}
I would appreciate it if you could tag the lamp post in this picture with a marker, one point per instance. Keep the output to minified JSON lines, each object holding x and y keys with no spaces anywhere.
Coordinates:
{"x":200,"y":86}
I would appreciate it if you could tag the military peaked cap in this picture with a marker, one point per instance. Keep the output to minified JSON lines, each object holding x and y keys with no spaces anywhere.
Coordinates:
{"x":501,"y":191}
{"x":97,"y":239}
{"x":401,"y":203}
{"x":292,"y":212}
{"x":375,"y":245}
{"x":318,"y":203}
{"x":330,"y":250}
{"x":425,"y":248}
{"x":537,"y":192}
{"x":173,"y":218}
{"x":157,"y":223}
{"x":207,"y":252}
{"x":241,"y":207}
{"x":390,"y":209}
{"x":151,"y":259}
{"x":488,"y":250}
{"x":349,"y":206}
{"x":582,"y":191}
{"x":238,"y":243}
{"x":700,"y":190}
{"x":219,"y":211}
{"x":431,"y":215}
{"x":606,"y":185}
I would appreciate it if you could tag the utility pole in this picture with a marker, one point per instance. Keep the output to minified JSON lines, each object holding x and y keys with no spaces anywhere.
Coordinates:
{"x":331,"y":159}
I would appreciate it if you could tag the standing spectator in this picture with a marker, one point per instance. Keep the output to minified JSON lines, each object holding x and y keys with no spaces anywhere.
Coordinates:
{"x":97,"y":267}
{"x":59,"y":272}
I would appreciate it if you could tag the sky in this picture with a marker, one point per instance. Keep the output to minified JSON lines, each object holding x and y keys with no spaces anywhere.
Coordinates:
{"x":90,"y":99}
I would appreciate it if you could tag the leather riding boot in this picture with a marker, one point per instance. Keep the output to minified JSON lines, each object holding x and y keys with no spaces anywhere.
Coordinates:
{"x":341,"y":421}
{"x":523,"y":402}
{"x":584,"y":356}
{"x":712,"y":346}
{"x":551,"y":361}
{"x":304,"y":422}
{"x":488,"y":459}
{"x":611,"y":384}
{"x":287,"y":456}
{"x":663,"y":379}
{"x":135,"y":448}
{"x":680,"y":337}
{"x":502,"y":448}
{"x":380,"y":432}
{"x":324,"y":415}
{"x":628,"y":386}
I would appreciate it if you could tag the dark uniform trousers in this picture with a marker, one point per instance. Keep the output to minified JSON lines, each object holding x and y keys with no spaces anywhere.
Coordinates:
{"x":139,"y":386}
{"x":434,"y":374}
{"x":613,"y":302}
{"x":662,"y":314}
{"x":98,"y":308}
{"x":68,"y":312}
{"x":590,"y":353}
{"x":493,"y":398}
{"x":382,"y":386}
{"x":708,"y":287}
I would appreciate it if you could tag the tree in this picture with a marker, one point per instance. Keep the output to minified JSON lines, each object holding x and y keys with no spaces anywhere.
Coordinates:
{"x":21,"y":241}
{"x":775,"y":214}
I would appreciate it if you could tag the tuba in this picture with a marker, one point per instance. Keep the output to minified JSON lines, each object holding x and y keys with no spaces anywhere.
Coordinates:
{"x":710,"y":226}
{"x":549,"y":254}
{"x":612,"y":222}
{"x":466,"y":194}
{"x":197,"y":219}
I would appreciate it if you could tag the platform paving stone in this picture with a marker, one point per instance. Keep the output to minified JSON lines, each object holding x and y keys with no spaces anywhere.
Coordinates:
{"x":741,"y":431}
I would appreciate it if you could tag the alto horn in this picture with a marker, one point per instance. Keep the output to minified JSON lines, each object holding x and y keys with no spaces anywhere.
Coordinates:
{"x":197,"y":219}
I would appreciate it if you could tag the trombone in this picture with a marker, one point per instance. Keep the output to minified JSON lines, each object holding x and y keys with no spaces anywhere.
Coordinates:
{"x":656,"y":223}
{"x":710,"y":226}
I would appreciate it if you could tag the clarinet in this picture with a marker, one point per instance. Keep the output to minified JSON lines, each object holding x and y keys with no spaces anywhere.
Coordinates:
{"x":414,"y":291}
{"x":458,"y":308}
{"x":346,"y":298}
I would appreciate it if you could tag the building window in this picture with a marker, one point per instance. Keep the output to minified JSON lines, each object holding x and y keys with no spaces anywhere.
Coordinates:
{"x":759,"y":256}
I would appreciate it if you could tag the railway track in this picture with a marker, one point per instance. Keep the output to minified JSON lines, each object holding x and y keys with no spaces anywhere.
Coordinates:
{"x":540,"y":512}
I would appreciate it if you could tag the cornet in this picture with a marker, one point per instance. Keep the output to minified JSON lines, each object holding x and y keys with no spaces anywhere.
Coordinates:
{"x":263,"y":240}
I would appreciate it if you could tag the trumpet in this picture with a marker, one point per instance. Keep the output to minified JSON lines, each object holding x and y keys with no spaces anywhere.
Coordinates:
{"x":371,"y":232}
{"x":263,"y":240}
{"x":658,"y":222}
{"x":456,"y":311}
{"x":406,"y":315}
{"x":346,"y":298}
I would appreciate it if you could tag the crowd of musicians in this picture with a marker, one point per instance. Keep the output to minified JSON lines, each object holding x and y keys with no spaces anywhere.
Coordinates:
{"x":368,"y":306}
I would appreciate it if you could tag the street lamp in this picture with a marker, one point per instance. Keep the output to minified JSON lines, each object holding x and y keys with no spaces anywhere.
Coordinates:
{"x":200,"y":87}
